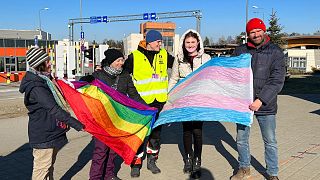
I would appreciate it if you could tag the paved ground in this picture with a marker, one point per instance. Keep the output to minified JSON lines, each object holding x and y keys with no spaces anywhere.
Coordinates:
{"x":11,"y":101}
{"x":297,"y":130}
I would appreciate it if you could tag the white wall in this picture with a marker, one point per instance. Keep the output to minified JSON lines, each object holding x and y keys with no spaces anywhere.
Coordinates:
{"x":102,"y":48}
{"x":176,"y":42}
{"x":131,"y":43}
{"x":67,"y":56}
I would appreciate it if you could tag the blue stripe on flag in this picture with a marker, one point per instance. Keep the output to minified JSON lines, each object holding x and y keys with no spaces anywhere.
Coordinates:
{"x":203,"y":114}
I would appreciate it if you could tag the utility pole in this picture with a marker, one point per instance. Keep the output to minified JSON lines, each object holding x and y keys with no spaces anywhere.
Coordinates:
{"x":246,"y":40}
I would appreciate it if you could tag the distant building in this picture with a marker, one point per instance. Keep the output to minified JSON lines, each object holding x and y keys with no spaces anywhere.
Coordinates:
{"x":303,"y":52}
{"x":24,"y":34}
{"x":167,"y":29}
{"x":170,"y":40}
{"x":13,"y":47}
{"x":131,"y":42}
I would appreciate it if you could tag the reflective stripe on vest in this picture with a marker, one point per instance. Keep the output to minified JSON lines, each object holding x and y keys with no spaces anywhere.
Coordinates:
{"x":151,"y":81}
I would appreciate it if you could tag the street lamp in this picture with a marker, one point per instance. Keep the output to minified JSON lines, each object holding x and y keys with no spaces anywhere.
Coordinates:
{"x":40,"y":16}
{"x":246,"y":36}
{"x":256,"y":7}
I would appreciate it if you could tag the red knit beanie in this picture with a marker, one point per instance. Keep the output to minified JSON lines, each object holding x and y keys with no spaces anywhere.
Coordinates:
{"x":255,"y":23}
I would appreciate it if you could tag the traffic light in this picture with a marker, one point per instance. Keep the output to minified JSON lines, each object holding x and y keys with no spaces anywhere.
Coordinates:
{"x":88,"y":53}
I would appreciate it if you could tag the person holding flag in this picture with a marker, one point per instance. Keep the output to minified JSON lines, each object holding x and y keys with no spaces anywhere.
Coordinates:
{"x":190,"y":57}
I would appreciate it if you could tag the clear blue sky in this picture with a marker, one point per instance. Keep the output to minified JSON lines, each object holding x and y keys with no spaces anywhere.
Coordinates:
{"x":220,"y":18}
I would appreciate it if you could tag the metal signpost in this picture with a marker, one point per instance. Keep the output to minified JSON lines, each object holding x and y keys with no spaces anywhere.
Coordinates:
{"x":135,"y":17}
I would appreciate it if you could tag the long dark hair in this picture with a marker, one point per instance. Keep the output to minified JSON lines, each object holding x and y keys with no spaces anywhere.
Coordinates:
{"x":186,"y":57}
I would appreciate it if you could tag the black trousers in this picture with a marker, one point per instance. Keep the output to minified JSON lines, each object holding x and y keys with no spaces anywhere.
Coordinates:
{"x":153,"y":141}
{"x":192,"y":130}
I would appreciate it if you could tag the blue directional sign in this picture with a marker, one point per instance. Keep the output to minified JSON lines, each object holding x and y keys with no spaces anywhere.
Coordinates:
{"x":105,"y":19}
{"x":153,"y":16}
{"x":93,"y":19}
{"x":145,"y":16}
{"x":99,"y":19}
{"x":82,"y":35}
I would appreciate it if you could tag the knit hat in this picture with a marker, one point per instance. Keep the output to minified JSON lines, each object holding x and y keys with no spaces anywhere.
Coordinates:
{"x":153,"y":35}
{"x":255,"y":23}
{"x":111,"y":56}
{"x":36,"y":56}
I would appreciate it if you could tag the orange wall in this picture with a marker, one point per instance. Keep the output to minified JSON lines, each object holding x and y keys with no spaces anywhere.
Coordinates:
{"x":158,"y":26}
{"x":13,"y":52}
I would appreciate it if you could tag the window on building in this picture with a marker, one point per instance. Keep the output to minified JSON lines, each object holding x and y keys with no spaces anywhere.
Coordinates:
{"x":10,"y":60}
{"x":42,"y":44}
{"x":20,"y":43}
{"x":1,"y":43}
{"x":299,"y":63}
{"x":1,"y":64}
{"x":9,"y":43}
{"x":22,"y":64}
{"x":29,"y":43}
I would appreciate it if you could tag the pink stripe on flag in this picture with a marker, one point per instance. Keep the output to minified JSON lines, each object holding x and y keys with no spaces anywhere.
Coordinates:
{"x":230,"y":75}
{"x":211,"y":101}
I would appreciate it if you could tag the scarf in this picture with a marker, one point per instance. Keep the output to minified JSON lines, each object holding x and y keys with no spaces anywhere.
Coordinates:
{"x":112,"y":71}
{"x":53,"y":86}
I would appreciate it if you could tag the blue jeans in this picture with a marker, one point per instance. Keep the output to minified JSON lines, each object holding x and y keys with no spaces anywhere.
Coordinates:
{"x":267,"y":125}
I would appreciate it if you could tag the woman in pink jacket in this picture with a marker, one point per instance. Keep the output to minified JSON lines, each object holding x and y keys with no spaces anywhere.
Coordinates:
{"x":190,"y":57}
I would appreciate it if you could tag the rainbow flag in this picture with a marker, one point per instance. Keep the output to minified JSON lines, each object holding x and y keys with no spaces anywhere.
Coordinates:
{"x":113,"y":118}
{"x":220,"y":90}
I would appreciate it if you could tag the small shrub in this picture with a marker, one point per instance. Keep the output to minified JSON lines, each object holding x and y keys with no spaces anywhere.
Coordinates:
{"x":315,"y":70}
{"x":296,"y":71}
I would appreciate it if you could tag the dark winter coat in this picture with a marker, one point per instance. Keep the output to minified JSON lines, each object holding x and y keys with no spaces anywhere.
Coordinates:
{"x":124,"y":84}
{"x":47,"y":120}
{"x":268,"y":66}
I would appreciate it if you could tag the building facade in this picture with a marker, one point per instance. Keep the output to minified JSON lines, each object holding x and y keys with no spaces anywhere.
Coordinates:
{"x":13,"y":47}
{"x":167,"y":29}
{"x":303,"y":52}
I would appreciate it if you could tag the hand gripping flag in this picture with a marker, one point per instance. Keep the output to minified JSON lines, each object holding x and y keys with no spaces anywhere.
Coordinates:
{"x":220,"y":90}
{"x":113,"y":118}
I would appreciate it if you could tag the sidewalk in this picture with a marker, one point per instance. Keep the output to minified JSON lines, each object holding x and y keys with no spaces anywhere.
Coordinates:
{"x":297,"y":132}
{"x":13,"y":86}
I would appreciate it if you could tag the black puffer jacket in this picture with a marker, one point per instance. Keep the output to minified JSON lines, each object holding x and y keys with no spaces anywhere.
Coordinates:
{"x":125,"y":84}
{"x":268,"y":66}
{"x":47,"y":120}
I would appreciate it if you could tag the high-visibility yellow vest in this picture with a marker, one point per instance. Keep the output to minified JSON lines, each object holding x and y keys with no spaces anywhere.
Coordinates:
{"x":151,"y":82}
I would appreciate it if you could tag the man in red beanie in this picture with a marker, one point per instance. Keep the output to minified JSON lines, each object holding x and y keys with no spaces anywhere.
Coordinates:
{"x":268,"y":67}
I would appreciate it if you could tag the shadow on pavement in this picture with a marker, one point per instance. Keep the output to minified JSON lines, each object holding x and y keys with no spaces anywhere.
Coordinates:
{"x":214,"y":133}
{"x":83,"y":159}
{"x":20,"y":160}
{"x":305,"y":87}
{"x":205,"y":175}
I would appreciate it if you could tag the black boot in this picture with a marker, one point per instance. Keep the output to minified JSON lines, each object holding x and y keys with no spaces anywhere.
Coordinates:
{"x":151,"y":163}
{"x":135,"y":172}
{"x":187,"y":164}
{"x":196,"y":168}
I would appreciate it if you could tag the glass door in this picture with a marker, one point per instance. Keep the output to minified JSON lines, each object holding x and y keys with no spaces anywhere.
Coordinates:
{"x":10,"y":64}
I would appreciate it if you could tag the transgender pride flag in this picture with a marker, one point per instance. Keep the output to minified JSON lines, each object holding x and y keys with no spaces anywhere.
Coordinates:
{"x":220,"y":90}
